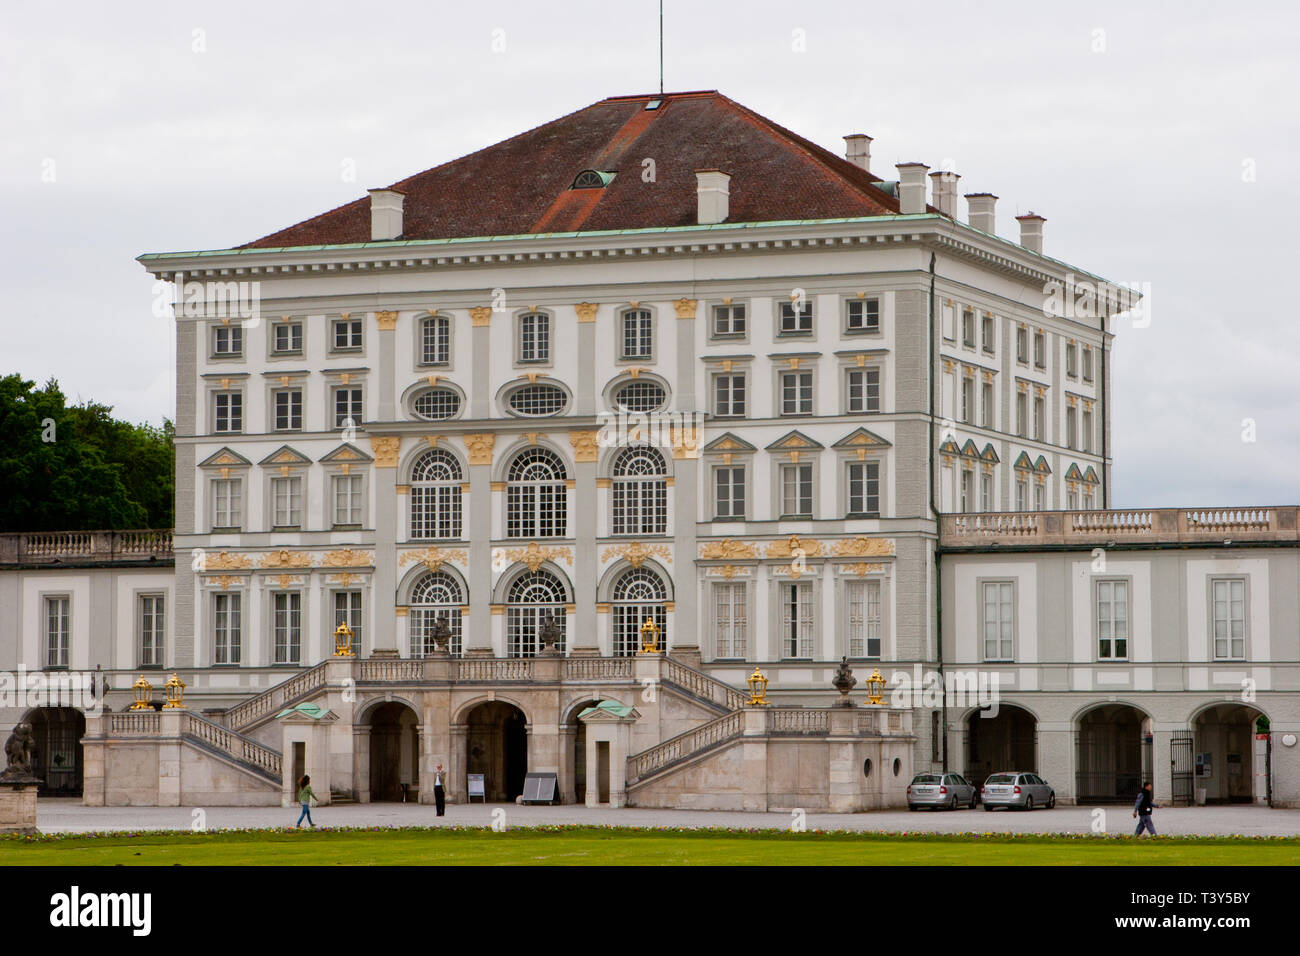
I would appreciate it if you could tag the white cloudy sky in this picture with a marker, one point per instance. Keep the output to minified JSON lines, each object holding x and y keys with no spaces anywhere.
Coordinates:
{"x":1135,"y":154}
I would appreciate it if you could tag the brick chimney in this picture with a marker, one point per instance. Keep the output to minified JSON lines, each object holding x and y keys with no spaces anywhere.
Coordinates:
{"x":712,"y":196}
{"x":980,"y":211}
{"x":1031,"y":231}
{"x":857,"y":150}
{"x":385,"y":213}
{"x":911,"y":188}
{"x":943,"y":191}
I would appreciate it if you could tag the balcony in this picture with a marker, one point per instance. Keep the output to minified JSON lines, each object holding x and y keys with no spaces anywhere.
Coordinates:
{"x":85,"y":547}
{"x":1088,"y":529}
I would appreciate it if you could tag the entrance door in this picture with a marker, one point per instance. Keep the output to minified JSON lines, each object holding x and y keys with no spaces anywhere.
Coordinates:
{"x":602,"y":769}
{"x":1180,"y":757}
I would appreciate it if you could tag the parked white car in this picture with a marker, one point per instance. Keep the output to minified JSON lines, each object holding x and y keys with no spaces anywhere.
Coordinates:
{"x":1017,"y":789}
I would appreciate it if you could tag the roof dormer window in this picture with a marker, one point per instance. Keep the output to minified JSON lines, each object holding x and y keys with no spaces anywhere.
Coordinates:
{"x":592,"y":179}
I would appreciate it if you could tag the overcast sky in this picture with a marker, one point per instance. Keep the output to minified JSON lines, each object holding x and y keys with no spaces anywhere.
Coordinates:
{"x":1158,"y":140}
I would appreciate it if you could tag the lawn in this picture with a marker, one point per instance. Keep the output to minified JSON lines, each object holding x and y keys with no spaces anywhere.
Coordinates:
{"x":569,"y":846}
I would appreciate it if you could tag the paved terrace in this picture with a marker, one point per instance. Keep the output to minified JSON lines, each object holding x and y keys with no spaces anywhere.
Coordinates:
{"x":69,"y":816}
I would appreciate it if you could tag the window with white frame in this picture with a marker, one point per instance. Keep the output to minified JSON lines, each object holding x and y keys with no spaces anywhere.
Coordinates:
{"x":534,"y":337}
{"x":287,"y":404}
{"x":535,"y":401}
{"x":227,"y":628}
{"x":728,"y":320}
{"x":57,"y":633}
{"x":730,"y":617}
{"x":532,"y":597}
{"x":1087,"y":429}
{"x":435,"y":340}
{"x":227,"y":341}
{"x":227,"y":411}
{"x":346,"y":495}
{"x":1022,"y":414}
{"x":347,"y":610}
{"x":1072,"y":359}
{"x":227,"y":502}
{"x":986,"y":333}
{"x":1040,"y":348}
{"x":347,"y":335}
{"x":729,"y":395}
{"x":639,"y":492}
{"x":347,"y":407}
{"x":1040,"y":496}
{"x":986,"y":404}
{"x":436,"y":596}
{"x":1089,"y":497}
{"x":286,"y":502}
{"x":1087,"y":363}
{"x":1040,"y":418}
{"x":1112,"y":620}
{"x":797,"y":393}
{"x":986,"y":492}
{"x":797,"y":619}
{"x":536,"y":498}
{"x":999,"y":621}
{"x":1228,"y":618}
{"x":1072,"y":426}
{"x":862,"y":315}
{"x":1022,"y":493}
{"x":863,"y":386}
{"x":286,"y":626}
{"x":967,"y":409}
{"x":638,"y":334}
{"x":640,"y":396}
{"x":796,"y":319}
{"x":729,"y":492}
{"x":968,"y":328}
{"x":639,"y":596}
{"x":797,"y":490}
{"x":1071,"y":498}
{"x":286,"y":337}
{"x":863,"y":600}
{"x":863,"y":479}
{"x":435,"y":496}
{"x":1022,"y":345}
{"x":436,"y":404}
{"x":967,"y":490}
{"x":149,"y":622}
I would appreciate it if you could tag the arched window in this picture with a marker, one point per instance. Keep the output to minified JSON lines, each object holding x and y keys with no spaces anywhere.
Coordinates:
{"x":436,"y":595}
{"x":640,"y":491}
{"x":638,"y":595}
{"x":435,"y":496}
{"x":533,"y":596}
{"x":535,"y":495}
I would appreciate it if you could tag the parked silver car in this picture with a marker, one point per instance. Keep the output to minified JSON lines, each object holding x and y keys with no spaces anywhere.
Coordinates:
{"x":1023,"y":790}
{"x":948,"y":790}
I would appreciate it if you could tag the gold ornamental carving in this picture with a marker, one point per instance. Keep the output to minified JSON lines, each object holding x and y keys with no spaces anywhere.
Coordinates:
{"x":534,"y":556}
{"x":864,"y":547}
{"x":586,"y":311}
{"x":686,"y":442}
{"x":480,"y":447}
{"x":225,"y":561}
{"x":636,"y":553}
{"x":347,"y":558}
{"x":433,"y":558}
{"x":286,"y":559}
{"x":385,"y":450}
{"x":795,"y":547}
{"x":480,"y":316}
{"x":685,"y":308}
{"x":225,"y":581}
{"x":586,"y":447}
{"x":728,"y":550}
{"x":387,"y":321}
{"x":862,"y":568}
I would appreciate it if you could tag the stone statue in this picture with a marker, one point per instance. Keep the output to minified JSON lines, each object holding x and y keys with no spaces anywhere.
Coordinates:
{"x":549,"y":635}
{"x":844,"y":681}
{"x":441,"y":635}
{"x":18,"y":753}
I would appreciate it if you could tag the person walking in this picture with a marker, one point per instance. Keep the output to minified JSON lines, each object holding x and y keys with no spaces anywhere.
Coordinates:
{"x":1142,"y":811}
{"x":305,"y":796}
{"x":439,"y":795}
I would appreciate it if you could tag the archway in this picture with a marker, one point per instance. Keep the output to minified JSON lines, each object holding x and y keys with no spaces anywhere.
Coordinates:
{"x":1113,"y":754}
{"x":1228,"y":753}
{"x":496,"y":745}
{"x":1007,"y":741}
{"x":578,"y":734}
{"x":394,"y":752}
{"x":56,"y":749}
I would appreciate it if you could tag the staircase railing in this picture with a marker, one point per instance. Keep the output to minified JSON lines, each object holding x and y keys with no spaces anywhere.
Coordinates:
{"x":241,"y":748}
{"x":249,"y":713}
{"x":702,"y":685}
{"x":683,"y":746}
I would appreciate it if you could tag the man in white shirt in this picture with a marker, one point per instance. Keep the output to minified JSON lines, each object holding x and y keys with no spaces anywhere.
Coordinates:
{"x":439,"y":795}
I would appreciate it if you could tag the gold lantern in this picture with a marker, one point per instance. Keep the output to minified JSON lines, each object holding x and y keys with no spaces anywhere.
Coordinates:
{"x":142,"y":689}
{"x":343,"y":641}
{"x":757,"y":682}
{"x":649,"y":637}
{"x":875,"y":687}
{"x":175,"y":690}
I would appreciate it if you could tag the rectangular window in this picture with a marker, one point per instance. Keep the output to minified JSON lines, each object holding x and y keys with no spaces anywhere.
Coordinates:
{"x":227,"y":502}
{"x":286,"y":626}
{"x":288,"y":409}
{"x":347,"y":407}
{"x":863,"y":390}
{"x":1087,"y":363}
{"x":228,"y":341}
{"x":1228,"y":613}
{"x":797,"y":619}
{"x":968,"y":328}
{"x":638,"y":338}
{"x":286,"y":337}
{"x":1071,"y":499}
{"x":1022,"y":345}
{"x":728,"y":320}
{"x":1087,"y":430}
{"x":1112,"y":620}
{"x":1040,"y":418}
{"x":57,"y":633}
{"x":347,"y":609}
{"x":729,"y":395}
{"x":862,"y":315}
{"x":286,"y":502}
{"x":1071,"y":359}
{"x":226,"y":628}
{"x":534,"y":337}
{"x":435,"y":340}
{"x":967,"y":399}
{"x":1022,"y":494}
{"x":228,"y":412}
{"x":797,"y":490}
{"x":730,"y":614}
{"x":986,"y":492}
{"x":986,"y":333}
{"x":1072,"y":427}
{"x":151,"y":630}
{"x":986,"y":404}
{"x":729,"y":491}
{"x":1040,"y":348}
{"x":999,"y":621}
{"x":796,"y":319}
{"x":347,"y":335}
{"x":863,"y":489}
{"x":1040,"y":497}
{"x":864,"y":619}
{"x":1022,"y":414}
{"x":1089,"y":498}
{"x":347,"y":499}
{"x":967,"y":491}
{"x":796,"y":393}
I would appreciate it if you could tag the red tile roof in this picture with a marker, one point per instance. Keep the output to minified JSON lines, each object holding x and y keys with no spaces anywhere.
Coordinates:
{"x":522,"y":185}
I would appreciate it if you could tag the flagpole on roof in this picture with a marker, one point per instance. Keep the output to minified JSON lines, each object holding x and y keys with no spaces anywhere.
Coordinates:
{"x":661,"y":46}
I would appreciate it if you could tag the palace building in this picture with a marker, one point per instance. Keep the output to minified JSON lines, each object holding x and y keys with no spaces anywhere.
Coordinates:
{"x":578,"y":432}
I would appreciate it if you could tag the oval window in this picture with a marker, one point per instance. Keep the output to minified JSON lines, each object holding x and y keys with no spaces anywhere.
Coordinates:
{"x":640,"y":397}
{"x":436,"y":404}
{"x":534,"y":400}
{"x":866,"y":767}
{"x":898,"y":765}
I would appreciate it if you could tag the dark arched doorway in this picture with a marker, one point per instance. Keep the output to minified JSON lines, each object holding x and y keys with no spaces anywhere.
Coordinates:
{"x":1112,"y":754}
{"x":56,"y":749}
{"x":578,"y":734}
{"x":1005,"y":741}
{"x":1230,"y":761}
{"x":496,"y":745}
{"x":394,"y":752}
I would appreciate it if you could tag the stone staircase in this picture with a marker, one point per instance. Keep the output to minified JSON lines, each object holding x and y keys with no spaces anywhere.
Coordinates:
{"x":719,"y":697}
{"x":685,"y":746}
{"x":248,"y":753}
{"x":255,"y":711}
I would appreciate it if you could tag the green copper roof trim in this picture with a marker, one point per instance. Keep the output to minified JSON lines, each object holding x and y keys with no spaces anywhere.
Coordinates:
{"x":609,"y":707}
{"x":314,"y":711}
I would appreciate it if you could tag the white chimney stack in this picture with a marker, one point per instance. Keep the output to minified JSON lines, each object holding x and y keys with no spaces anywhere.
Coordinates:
{"x":943,"y":190}
{"x":712,"y":196}
{"x":911,"y":188}
{"x":857,"y":150}
{"x":980,"y":211}
{"x":385,"y":213}
{"x":1031,"y":231}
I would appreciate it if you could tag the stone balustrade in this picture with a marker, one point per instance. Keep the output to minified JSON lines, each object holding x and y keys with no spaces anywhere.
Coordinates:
{"x":85,"y":547}
{"x":1083,"y":529}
